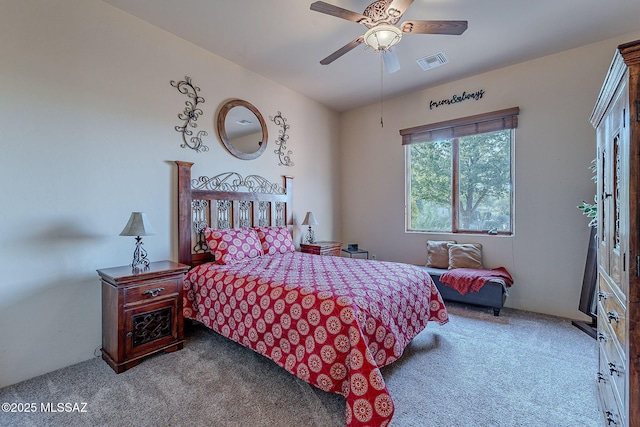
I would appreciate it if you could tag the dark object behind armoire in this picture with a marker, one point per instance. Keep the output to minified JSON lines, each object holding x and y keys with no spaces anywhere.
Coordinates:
{"x":588,"y":302}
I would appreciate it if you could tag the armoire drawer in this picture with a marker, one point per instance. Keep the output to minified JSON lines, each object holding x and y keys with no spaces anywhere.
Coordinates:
{"x":613,"y":311}
{"x":607,"y":338}
{"x":611,"y":373}
{"x":609,"y":409}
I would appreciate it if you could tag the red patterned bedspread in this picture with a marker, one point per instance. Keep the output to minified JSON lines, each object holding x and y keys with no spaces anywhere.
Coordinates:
{"x":331,"y":321}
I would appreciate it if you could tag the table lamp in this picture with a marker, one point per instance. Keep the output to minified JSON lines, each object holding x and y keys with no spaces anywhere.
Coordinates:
{"x":310,"y":220}
{"x":138,"y":225}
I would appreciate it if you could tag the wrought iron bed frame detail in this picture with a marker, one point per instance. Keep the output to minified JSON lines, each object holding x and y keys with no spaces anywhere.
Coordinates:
{"x":225,"y":201}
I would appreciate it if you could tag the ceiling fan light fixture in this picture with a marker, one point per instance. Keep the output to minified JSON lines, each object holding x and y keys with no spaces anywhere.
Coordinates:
{"x":382,"y":37}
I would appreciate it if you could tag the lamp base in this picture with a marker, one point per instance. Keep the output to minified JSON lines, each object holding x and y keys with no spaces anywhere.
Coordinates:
{"x":310,"y":237}
{"x":139,"y":255}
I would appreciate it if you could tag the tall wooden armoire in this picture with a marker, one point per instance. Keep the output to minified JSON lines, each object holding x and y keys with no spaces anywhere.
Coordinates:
{"x":616,"y":117}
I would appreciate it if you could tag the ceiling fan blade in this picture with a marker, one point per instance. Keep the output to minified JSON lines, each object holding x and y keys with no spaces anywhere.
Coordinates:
{"x":344,"y":49}
{"x":391,"y":61}
{"x":434,"y":27}
{"x":398,"y":7}
{"x":329,"y":9}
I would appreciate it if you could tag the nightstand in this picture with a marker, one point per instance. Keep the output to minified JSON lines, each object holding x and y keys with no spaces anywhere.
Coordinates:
{"x":141,"y":312}
{"x":353,"y":252}
{"x":321,"y":248}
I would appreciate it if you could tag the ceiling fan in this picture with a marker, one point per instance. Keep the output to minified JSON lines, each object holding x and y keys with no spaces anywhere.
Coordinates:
{"x":380,"y":17}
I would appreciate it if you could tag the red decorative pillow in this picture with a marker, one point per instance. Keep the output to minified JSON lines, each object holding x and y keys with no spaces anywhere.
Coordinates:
{"x":275,"y":240}
{"x":233,"y":245}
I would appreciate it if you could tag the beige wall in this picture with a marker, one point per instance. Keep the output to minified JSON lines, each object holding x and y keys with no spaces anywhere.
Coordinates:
{"x":87,"y":120}
{"x":555,"y":144}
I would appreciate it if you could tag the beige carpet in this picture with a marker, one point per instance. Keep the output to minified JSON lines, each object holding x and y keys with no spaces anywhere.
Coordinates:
{"x":519,"y":369}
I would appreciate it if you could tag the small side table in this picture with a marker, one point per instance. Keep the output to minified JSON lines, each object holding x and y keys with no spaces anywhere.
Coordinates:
{"x":321,"y":248}
{"x":353,"y":252}
{"x":141,"y":312}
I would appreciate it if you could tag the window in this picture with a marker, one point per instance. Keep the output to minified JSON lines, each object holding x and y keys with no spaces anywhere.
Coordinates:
{"x":459,"y":174}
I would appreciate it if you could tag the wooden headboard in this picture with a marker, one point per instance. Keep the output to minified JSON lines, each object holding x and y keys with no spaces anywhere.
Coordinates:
{"x":227,"y":200}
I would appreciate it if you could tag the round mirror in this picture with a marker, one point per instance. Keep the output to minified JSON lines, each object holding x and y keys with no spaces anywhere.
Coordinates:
{"x":242,"y":129}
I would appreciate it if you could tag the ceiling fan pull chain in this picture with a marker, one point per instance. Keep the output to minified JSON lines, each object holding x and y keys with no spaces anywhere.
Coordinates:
{"x":381,"y":90}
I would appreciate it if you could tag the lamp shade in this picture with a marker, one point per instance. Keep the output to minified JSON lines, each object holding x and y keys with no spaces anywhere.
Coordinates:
{"x":138,"y":225}
{"x":309,"y":219}
{"x":382,"y":36}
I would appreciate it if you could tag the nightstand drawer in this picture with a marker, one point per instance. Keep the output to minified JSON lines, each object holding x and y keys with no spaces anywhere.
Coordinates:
{"x":151,"y":291}
{"x":321,"y":248}
{"x":331,"y":252}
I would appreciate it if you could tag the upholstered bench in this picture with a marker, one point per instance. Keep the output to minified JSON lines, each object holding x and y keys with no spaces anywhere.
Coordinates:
{"x":493,"y":294}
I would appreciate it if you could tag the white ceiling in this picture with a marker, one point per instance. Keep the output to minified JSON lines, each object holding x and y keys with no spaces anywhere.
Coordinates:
{"x":284,"y":40}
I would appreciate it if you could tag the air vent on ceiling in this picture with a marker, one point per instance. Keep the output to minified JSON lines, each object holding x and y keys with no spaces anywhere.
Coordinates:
{"x":432,"y":61}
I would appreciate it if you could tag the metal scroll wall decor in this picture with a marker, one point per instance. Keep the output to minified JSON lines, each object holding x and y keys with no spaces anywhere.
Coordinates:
{"x":283,"y":155}
{"x":190,"y":115}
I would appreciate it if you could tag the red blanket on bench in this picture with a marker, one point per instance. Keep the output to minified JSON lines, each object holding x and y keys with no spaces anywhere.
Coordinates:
{"x":465,"y":280}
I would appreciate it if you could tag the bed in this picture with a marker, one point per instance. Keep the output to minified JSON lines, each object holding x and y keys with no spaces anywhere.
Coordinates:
{"x":330,"y":321}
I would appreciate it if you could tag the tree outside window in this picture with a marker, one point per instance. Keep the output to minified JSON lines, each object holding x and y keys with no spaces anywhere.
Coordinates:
{"x":464,"y":183}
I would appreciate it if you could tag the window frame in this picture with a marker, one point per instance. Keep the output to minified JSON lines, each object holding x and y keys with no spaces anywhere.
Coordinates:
{"x":506,"y":119}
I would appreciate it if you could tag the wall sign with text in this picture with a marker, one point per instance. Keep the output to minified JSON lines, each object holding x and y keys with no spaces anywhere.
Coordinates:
{"x":455,"y":99}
